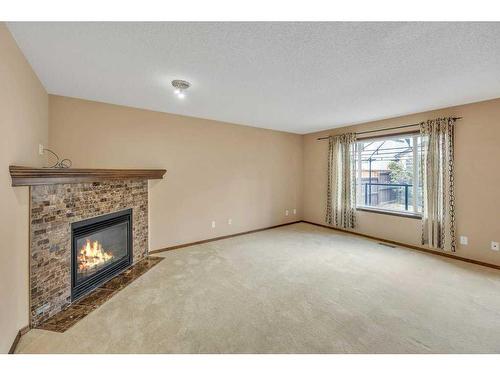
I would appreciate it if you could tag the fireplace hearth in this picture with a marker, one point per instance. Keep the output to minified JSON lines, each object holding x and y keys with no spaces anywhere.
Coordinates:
{"x":101,"y":247}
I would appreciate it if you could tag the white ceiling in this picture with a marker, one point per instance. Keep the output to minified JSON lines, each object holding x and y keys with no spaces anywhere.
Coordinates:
{"x":297,"y":77}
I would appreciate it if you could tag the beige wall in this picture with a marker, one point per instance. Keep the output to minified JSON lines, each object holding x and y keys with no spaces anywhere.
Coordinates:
{"x":477,"y":162}
{"x":218,"y":171}
{"x":215,"y":170}
{"x":24,"y":124}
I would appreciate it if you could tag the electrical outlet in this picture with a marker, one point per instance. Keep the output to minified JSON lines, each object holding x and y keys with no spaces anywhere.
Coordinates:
{"x":40,"y":149}
{"x":495,"y":246}
{"x":213,"y":224}
{"x":286,"y":212}
{"x":229,"y":221}
{"x":464,"y":240}
{"x":295,"y":211}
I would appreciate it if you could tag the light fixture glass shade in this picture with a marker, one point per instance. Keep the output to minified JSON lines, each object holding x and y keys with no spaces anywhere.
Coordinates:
{"x":180,"y":87}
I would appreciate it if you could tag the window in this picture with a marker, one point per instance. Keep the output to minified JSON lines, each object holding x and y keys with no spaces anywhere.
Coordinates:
{"x":387,"y":174}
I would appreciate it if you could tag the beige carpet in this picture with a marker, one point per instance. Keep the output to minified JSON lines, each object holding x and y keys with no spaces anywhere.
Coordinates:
{"x":294,"y":289}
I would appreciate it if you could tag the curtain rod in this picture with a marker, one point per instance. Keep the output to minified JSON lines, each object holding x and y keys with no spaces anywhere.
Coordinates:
{"x":380,"y":130}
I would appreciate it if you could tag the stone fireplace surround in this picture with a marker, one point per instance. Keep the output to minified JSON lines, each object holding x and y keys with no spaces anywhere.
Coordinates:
{"x":58,"y":201}
{"x":53,"y":209}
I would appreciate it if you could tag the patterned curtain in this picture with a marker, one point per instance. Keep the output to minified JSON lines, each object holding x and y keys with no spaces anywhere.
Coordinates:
{"x":341,"y":195}
{"x":437,"y":160}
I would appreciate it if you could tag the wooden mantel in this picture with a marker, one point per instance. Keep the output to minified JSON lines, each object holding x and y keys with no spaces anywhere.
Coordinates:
{"x":26,"y":176}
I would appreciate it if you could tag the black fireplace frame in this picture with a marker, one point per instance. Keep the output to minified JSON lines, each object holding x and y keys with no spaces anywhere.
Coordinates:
{"x":85,"y":227}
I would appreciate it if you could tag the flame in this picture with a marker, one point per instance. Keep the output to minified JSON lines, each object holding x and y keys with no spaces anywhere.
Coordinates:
{"x":92,"y":255}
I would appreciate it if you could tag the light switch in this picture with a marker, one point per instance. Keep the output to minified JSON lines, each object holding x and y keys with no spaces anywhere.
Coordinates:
{"x":464,"y":240}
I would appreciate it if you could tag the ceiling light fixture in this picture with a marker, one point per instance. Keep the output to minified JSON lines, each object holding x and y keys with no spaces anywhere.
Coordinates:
{"x":180,"y":87}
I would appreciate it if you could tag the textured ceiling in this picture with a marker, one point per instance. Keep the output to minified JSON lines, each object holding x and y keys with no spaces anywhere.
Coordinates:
{"x":297,"y":77}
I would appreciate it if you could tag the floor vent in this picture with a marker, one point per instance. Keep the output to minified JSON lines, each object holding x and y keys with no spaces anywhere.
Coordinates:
{"x":386,"y":244}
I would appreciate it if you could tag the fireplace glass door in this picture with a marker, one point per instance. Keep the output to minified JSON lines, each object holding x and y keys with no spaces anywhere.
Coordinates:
{"x":98,"y":250}
{"x":101,"y":248}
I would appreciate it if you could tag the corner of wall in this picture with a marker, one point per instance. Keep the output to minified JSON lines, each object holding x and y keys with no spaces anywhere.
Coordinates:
{"x":24,"y":119}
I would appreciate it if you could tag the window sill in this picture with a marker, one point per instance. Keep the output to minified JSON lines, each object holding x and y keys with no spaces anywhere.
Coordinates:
{"x":393,"y":213}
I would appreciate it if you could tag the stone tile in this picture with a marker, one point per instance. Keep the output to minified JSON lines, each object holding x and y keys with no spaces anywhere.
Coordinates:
{"x":54,"y":209}
{"x":119,"y":282}
{"x":71,"y":315}
{"x":96,"y":298}
{"x":66,"y":318}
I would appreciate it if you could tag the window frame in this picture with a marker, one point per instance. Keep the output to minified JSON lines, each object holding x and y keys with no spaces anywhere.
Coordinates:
{"x":416,"y":179}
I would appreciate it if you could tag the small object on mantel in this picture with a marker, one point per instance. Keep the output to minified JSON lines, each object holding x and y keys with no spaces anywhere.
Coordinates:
{"x":60,"y":163}
{"x":26,"y":176}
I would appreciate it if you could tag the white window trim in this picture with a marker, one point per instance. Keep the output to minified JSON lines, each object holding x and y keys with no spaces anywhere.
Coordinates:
{"x":410,"y":214}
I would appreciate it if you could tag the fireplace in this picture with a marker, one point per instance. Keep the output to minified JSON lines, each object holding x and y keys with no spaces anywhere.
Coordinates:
{"x":101,"y":248}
